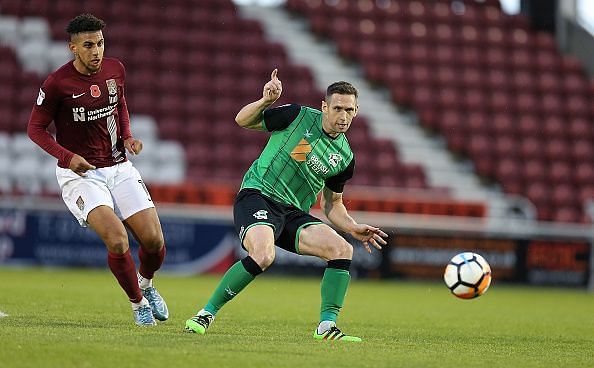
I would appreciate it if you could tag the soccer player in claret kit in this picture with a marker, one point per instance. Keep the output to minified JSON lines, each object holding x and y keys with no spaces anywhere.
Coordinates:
{"x":307,"y":153}
{"x":85,"y":100}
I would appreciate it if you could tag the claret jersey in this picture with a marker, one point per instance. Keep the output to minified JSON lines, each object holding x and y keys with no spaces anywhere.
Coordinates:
{"x":299,"y":158}
{"x":89,"y":112}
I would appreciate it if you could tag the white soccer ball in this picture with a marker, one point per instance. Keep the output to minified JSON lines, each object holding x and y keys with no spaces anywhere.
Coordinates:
{"x":467,"y":275}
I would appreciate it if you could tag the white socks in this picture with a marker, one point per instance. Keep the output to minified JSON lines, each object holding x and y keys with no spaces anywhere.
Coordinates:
{"x":144,"y":283}
{"x":141,"y":303}
{"x":325,"y":326}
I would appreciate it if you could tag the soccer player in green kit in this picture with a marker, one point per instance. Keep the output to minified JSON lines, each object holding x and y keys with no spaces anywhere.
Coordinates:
{"x":307,"y":153}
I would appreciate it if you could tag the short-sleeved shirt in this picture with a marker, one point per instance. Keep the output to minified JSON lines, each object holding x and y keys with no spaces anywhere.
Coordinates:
{"x":299,"y":158}
{"x":87,"y":112}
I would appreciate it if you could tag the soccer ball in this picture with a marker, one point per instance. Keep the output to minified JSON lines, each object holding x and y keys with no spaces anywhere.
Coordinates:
{"x":467,"y":275}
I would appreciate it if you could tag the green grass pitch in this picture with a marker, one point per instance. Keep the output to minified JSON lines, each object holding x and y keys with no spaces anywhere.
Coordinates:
{"x":80,"y":318}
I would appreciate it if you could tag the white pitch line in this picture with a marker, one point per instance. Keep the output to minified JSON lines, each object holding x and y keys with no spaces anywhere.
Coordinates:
{"x":2,"y":314}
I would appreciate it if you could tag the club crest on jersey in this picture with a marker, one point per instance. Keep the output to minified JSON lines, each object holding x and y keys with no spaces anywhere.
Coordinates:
{"x":95,"y":91}
{"x":112,"y":87}
{"x":261,"y":215}
{"x":334,"y":159}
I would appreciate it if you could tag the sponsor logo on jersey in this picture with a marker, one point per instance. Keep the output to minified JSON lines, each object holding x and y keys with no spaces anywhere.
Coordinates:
{"x":80,"y":114}
{"x":95,"y":91}
{"x":301,"y":150}
{"x":307,"y":134}
{"x":40,"y":97}
{"x":77,"y":96}
{"x":317,"y":165}
{"x":261,"y":215}
{"x":334,"y":159}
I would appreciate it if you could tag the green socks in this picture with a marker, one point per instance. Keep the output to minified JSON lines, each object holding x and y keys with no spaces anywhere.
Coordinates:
{"x":334,"y":287}
{"x":333,"y":290}
{"x":235,"y":280}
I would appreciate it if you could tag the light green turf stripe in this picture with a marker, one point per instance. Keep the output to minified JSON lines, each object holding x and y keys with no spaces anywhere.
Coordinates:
{"x":299,"y":232}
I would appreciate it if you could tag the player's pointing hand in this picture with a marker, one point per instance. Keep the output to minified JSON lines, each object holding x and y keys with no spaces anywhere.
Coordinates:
{"x":273,"y":89}
{"x":79,"y":165}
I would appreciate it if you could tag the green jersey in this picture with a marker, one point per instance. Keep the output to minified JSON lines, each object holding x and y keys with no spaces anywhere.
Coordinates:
{"x":299,"y":158}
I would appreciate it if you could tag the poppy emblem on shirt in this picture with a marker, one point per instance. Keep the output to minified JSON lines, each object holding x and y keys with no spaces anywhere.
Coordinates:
{"x":95,"y":91}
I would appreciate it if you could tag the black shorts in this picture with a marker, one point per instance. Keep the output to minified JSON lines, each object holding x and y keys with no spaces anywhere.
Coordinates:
{"x":253,"y":208}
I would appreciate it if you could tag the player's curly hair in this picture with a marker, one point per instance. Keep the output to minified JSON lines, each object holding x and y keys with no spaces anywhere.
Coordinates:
{"x":84,"y":23}
{"x":342,"y":88}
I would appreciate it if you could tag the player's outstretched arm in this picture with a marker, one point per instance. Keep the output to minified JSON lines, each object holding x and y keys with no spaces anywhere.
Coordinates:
{"x":336,"y":212}
{"x":250,"y":116}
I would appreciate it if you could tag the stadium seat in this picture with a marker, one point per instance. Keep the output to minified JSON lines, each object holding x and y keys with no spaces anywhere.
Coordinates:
{"x":145,"y":127}
{"x":582,"y":151}
{"x":34,"y":28}
{"x":584,"y":173}
{"x":9,"y":31}
{"x":557,"y":149}
{"x":32,"y":55}
{"x":58,"y":54}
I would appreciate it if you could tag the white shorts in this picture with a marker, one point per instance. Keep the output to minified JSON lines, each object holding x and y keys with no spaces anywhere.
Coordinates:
{"x":120,"y":187}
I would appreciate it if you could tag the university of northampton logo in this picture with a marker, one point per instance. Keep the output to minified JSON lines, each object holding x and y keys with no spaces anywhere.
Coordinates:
{"x":301,"y":150}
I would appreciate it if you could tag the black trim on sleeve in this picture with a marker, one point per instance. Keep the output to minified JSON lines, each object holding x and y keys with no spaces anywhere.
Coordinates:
{"x":336,"y":183}
{"x":281,"y":117}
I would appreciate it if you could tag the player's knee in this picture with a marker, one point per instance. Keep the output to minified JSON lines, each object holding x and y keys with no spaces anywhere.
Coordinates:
{"x":117,"y":244}
{"x":342,"y":250}
{"x":263,"y":257}
{"x":153,"y":241}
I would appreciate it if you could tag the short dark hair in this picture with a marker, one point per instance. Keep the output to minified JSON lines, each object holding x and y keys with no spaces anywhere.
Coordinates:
{"x":84,"y":23}
{"x":342,"y":88}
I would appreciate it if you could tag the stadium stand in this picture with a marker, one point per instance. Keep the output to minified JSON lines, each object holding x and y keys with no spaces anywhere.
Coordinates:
{"x":498,"y":92}
{"x":191,"y":93}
